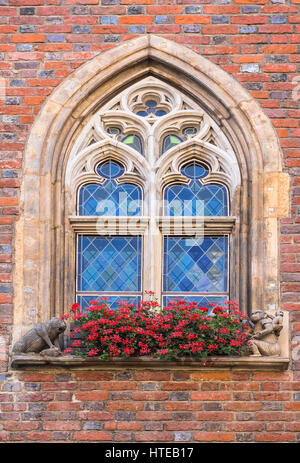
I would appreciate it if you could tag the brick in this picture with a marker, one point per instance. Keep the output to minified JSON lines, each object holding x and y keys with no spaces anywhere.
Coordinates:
{"x":164,"y":9}
{"x":194,"y":19}
{"x":153,"y":416}
{"x":154,"y":436}
{"x":124,"y":405}
{"x":20,"y":426}
{"x":36,"y":38}
{"x":153,"y":395}
{"x":242,"y":406}
{"x":210,"y":396}
{"x":249,"y":19}
{"x":61,"y":425}
{"x":88,"y":396}
{"x":39,"y":436}
{"x":211,"y":376}
{"x":179,"y":386}
{"x":136,"y":20}
{"x":124,"y":426}
{"x":152,"y":376}
{"x":279,"y":49}
{"x":275,"y":437}
{"x":293,"y":406}
{"x":215,"y":416}
{"x":220,"y":29}
{"x":97,"y":436}
{"x":36,"y":377}
{"x":214,"y":437}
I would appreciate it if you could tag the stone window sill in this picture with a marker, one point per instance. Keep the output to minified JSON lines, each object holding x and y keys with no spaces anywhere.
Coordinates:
{"x":234,"y":363}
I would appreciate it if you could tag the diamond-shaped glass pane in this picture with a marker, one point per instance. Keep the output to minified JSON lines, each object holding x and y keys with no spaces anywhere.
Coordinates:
{"x":196,"y":199}
{"x":109,"y":264}
{"x":112,"y":301}
{"x":110,"y":199}
{"x":195,"y":265}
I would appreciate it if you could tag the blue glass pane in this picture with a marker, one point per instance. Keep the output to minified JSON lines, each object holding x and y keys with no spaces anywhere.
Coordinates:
{"x":194,"y":170}
{"x":202,"y":301}
{"x":170,"y":141}
{"x":110,"y":199}
{"x":134,"y":142}
{"x":196,"y":199}
{"x":109,"y":264}
{"x":160,"y":113}
{"x":195,"y":265}
{"x":142,"y":113}
{"x":112,"y":301}
{"x":151,"y":103}
{"x":110,"y":169}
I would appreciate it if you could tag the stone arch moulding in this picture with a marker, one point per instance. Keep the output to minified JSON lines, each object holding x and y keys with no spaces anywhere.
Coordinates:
{"x":44,"y":242}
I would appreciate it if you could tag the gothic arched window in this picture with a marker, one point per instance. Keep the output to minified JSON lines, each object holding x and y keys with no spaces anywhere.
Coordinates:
{"x":155,"y":178}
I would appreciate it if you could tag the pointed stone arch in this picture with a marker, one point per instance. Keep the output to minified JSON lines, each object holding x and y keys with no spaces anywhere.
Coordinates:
{"x":44,"y":242}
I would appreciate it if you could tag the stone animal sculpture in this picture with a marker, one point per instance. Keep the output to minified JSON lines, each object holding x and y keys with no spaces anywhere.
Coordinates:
{"x":43,"y":339}
{"x":267,"y":328}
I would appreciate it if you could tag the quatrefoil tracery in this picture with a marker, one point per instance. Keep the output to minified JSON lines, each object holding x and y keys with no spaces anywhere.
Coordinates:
{"x":156,"y":128}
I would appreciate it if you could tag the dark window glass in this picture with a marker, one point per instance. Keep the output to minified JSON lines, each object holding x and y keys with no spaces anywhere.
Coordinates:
{"x":170,"y":141}
{"x":134,"y":142}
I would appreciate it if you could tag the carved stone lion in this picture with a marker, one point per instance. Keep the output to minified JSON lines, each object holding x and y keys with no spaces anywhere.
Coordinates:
{"x":43,"y":339}
{"x":264,"y":341}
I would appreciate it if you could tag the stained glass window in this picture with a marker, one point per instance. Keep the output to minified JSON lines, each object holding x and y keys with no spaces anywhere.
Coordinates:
{"x":151,"y":107}
{"x":109,"y":266}
{"x":196,"y":199}
{"x":189,"y":131}
{"x":196,"y":268}
{"x":114,"y":131}
{"x":170,"y":141}
{"x":134,"y":142}
{"x":110,"y":198}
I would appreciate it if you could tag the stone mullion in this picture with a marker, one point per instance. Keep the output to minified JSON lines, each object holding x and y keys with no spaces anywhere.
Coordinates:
{"x":152,"y":238}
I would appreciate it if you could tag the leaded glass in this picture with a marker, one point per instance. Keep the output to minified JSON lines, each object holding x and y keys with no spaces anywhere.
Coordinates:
{"x":114,"y":131}
{"x":109,"y":264}
{"x":142,"y":113}
{"x":170,"y":141}
{"x":151,"y":107}
{"x":195,"y":170}
{"x":110,"y":198}
{"x":160,"y":113}
{"x":151,"y":104}
{"x":195,"y":265}
{"x":112,"y":301}
{"x":110,"y":169}
{"x":189,"y":131}
{"x":134,"y":142}
{"x":196,"y":199}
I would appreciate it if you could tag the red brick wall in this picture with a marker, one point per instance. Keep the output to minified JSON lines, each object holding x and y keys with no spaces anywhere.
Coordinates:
{"x":41,"y":43}
{"x":148,"y":406}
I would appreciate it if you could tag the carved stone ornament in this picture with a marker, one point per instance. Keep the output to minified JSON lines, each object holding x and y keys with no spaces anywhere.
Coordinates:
{"x":43,"y":339}
{"x":267,"y":328}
